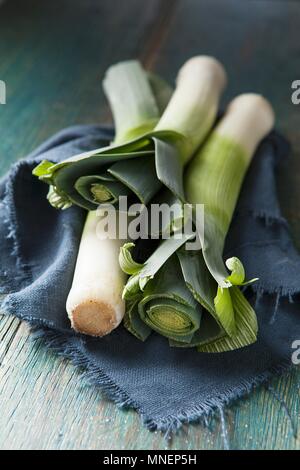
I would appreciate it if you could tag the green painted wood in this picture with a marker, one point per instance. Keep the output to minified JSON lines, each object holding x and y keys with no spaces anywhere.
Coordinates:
{"x":53,"y":55}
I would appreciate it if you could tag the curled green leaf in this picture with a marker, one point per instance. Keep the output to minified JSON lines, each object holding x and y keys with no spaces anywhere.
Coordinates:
{"x":58,"y":199}
{"x":126,"y":261}
{"x":236,"y":267}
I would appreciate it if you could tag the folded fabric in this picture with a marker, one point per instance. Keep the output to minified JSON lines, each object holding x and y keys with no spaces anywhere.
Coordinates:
{"x":167,"y":386}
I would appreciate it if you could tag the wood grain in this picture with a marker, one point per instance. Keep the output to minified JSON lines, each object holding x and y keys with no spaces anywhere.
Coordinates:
{"x":53,"y":56}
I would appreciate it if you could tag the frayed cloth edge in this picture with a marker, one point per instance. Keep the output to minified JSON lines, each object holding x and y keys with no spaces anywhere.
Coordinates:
{"x":268,"y":218}
{"x":23,"y":272}
{"x":93,"y":375}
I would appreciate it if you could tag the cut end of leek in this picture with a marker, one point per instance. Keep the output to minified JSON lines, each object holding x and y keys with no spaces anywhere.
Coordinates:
{"x":93,"y":317}
{"x":101,"y":193}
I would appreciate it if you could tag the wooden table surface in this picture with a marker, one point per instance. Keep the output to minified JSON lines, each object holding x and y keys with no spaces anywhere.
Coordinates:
{"x":53,"y":55}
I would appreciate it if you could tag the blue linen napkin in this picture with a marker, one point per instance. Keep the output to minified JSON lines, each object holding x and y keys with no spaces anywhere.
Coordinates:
{"x":167,"y":386}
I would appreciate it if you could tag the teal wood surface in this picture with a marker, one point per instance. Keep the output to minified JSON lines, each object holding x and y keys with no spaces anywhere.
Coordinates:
{"x":53,"y":55}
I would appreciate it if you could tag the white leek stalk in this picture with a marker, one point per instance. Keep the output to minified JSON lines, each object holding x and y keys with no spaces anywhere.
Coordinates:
{"x":249,"y":117}
{"x":194,"y":104}
{"x":94,"y":305}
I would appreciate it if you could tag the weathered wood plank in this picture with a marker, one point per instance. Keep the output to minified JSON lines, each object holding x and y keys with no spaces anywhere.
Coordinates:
{"x":52,"y":66}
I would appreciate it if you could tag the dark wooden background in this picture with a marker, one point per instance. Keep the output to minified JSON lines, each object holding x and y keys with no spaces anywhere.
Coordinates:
{"x":53,"y":56}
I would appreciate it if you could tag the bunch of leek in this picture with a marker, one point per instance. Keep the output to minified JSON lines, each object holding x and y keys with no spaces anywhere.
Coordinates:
{"x":138,"y":163}
{"x":189,"y":296}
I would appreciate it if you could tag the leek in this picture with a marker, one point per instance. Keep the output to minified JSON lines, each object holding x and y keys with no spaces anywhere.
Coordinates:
{"x":213,"y":178}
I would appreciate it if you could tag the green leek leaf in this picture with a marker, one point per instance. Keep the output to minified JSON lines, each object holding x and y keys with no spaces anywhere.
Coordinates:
{"x":246,"y":327}
{"x":133,"y":322}
{"x":127,"y":263}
